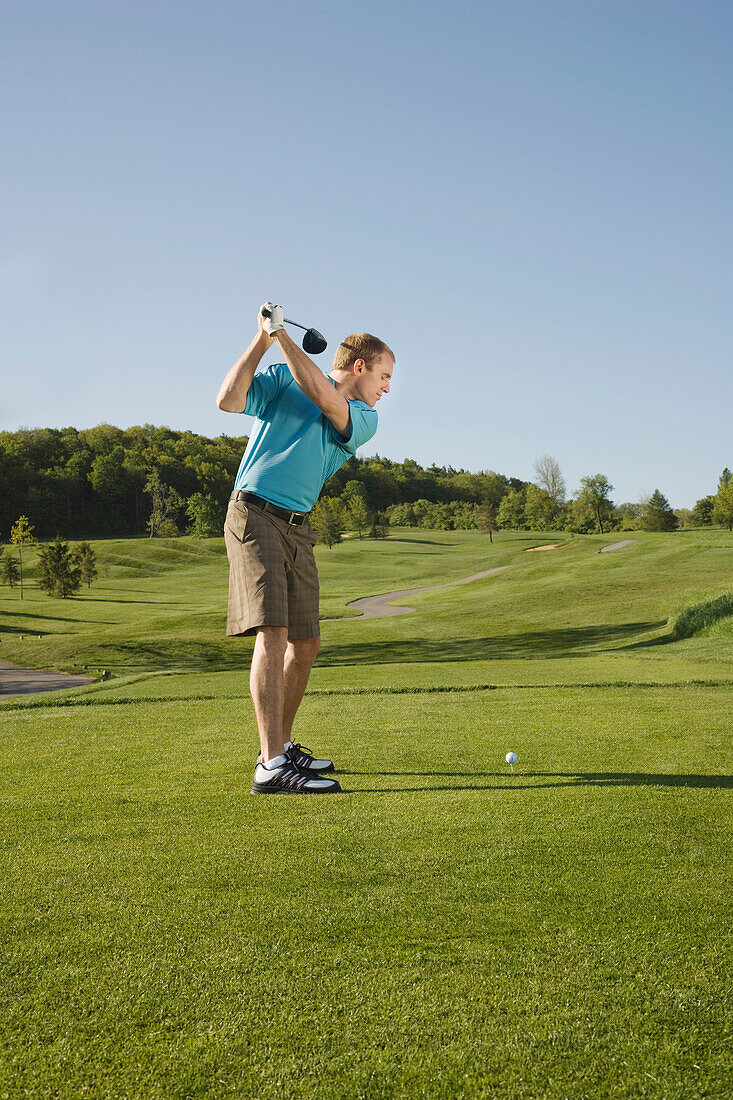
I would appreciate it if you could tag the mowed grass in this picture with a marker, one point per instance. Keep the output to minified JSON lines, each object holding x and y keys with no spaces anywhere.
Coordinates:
{"x":443,"y":928}
{"x":163,"y":604}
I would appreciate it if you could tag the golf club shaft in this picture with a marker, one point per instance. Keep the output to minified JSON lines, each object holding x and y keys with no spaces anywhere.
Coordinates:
{"x":266,"y":313}
{"x":313,"y":342}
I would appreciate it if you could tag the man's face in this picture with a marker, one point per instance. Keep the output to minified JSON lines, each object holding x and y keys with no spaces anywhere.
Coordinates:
{"x":373,"y":384}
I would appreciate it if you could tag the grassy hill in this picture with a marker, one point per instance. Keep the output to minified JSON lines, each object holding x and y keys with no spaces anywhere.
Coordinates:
{"x":443,"y":928}
{"x":162,"y":605}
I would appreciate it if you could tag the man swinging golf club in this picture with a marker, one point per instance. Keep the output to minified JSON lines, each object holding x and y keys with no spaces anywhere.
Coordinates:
{"x":306,"y":426}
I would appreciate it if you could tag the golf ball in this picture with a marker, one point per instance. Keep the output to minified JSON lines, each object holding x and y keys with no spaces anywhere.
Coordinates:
{"x":511,"y":758}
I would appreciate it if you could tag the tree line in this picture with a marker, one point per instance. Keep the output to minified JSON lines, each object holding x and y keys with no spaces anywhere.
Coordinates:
{"x":111,"y":482}
{"x":533,"y":506}
{"x":107,"y":481}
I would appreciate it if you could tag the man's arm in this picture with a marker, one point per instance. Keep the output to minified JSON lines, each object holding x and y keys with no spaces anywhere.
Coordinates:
{"x":235,"y":387}
{"x":313,"y":382}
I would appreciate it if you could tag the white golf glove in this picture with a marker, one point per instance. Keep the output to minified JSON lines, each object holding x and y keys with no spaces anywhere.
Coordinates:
{"x":274,"y":322}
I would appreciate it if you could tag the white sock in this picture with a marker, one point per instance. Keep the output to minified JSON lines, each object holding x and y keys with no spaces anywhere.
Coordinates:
{"x":276,"y":762}
{"x":286,"y":746}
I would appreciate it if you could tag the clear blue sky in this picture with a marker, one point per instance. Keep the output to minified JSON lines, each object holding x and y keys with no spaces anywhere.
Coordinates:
{"x":529,"y":200}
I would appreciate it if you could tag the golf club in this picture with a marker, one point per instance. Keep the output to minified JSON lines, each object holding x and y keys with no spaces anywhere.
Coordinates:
{"x":313,"y":341}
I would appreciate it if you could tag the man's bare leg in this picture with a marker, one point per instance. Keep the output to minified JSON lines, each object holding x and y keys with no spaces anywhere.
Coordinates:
{"x":299,"y":658}
{"x":278,"y":678}
{"x":267,"y":685}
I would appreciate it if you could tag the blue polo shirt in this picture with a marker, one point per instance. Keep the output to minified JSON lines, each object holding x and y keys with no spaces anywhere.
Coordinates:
{"x":294,"y":448}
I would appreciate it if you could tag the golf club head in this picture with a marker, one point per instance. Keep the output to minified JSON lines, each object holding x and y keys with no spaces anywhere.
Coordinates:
{"x":313,"y":342}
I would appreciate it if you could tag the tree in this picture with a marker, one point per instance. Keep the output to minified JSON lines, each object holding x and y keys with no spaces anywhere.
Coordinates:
{"x":550,"y":479}
{"x":135,"y":467}
{"x":487,"y":518}
{"x":511,"y":509}
{"x":21,"y":534}
{"x":105,"y":476}
{"x":355,"y":506}
{"x":205,"y":514}
{"x":580,"y":519}
{"x":380,"y":522}
{"x":10,"y":572}
{"x":358,"y":513}
{"x":540,"y":509}
{"x":658,"y":516}
{"x":594,"y":498}
{"x":628,"y":516}
{"x":723,"y":500}
{"x":327,"y":521}
{"x":702,"y":513}
{"x":57,"y":573}
{"x":83,"y":556}
{"x":353,"y":488}
{"x":402,"y":515}
{"x":165,"y":503}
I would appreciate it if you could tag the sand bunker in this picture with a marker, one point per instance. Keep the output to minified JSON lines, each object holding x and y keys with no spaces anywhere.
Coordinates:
{"x":549,"y":546}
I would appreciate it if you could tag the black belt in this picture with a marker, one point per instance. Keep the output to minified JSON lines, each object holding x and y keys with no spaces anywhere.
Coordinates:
{"x":297,"y":518}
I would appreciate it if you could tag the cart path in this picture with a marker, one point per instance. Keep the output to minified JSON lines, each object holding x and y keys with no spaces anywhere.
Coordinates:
{"x":616,"y":546}
{"x":376,"y":607}
{"x":24,"y":681}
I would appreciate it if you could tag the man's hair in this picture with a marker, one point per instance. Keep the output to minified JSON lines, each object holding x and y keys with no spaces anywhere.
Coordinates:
{"x":360,"y":345}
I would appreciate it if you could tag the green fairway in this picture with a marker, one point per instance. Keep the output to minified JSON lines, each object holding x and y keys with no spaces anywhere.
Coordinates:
{"x":443,"y":928}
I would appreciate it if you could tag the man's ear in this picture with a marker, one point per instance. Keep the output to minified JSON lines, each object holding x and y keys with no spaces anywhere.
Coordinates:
{"x":359,"y":365}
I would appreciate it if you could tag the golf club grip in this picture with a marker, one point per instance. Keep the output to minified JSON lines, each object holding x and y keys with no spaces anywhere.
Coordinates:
{"x":267,"y":313}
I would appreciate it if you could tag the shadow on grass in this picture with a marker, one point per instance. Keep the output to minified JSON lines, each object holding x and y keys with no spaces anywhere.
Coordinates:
{"x":532,"y":643}
{"x":558,"y":779}
{"x":30,"y":616}
{"x":112,"y":599}
{"x":647,"y":643}
{"x":227,"y":654}
{"x":184,"y":655}
{"x":417,"y":542}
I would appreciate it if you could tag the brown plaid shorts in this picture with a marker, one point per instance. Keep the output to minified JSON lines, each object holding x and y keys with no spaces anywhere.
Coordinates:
{"x":273,"y":579}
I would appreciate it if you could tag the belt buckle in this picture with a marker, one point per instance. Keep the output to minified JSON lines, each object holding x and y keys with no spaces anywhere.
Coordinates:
{"x":291,"y":521}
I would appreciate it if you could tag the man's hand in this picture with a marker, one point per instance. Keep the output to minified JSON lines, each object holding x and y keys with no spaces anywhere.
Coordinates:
{"x":270,"y":318}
